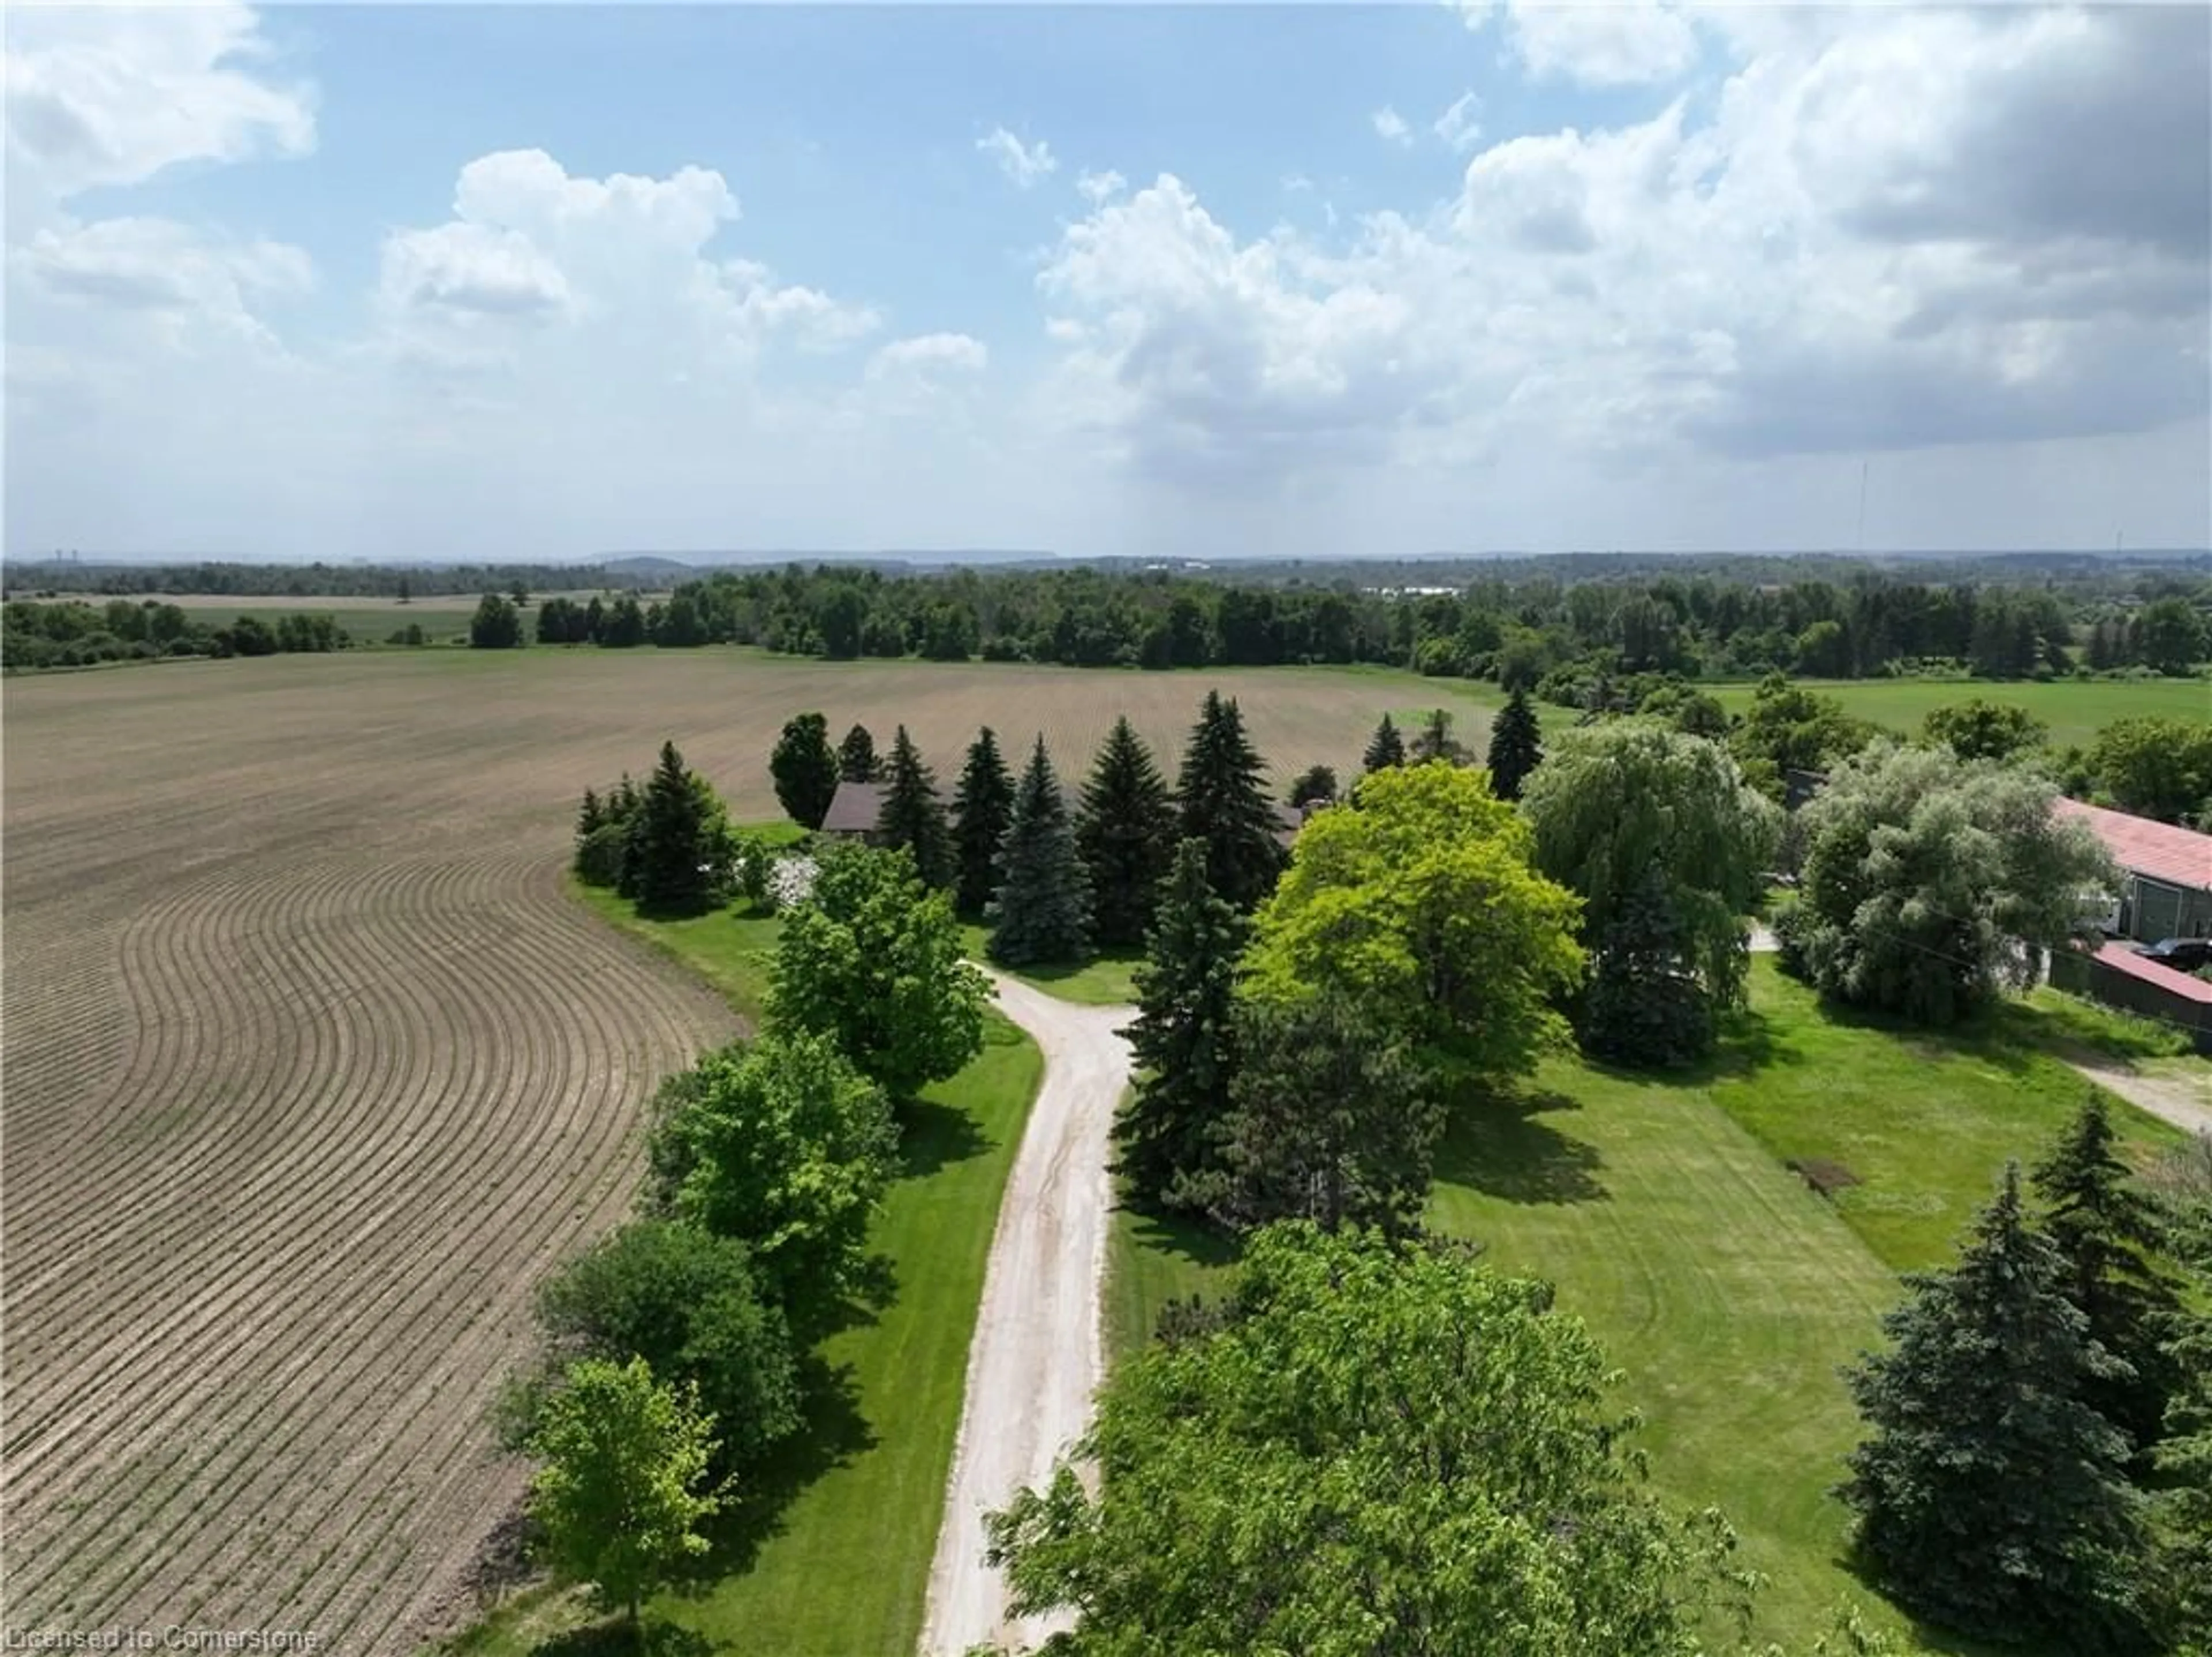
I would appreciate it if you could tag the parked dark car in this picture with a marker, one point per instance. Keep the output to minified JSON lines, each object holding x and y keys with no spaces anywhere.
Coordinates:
{"x":2182,"y":954}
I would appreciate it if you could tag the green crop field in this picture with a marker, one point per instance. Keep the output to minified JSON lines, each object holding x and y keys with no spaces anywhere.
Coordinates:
{"x":1727,"y":1291}
{"x":2074,"y":709}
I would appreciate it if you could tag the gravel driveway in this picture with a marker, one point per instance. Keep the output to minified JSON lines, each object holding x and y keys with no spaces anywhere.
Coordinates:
{"x":1037,"y":1355}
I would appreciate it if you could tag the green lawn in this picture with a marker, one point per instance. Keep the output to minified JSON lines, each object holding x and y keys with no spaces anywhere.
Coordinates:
{"x":2075,"y":710}
{"x":729,"y":951}
{"x":1727,"y":1290}
{"x":1103,"y":982}
{"x":1926,"y":1122}
{"x":831,"y":1559}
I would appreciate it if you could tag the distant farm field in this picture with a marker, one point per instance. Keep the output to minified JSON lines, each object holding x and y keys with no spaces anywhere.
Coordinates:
{"x":2074,"y":709}
{"x":314,"y":1067}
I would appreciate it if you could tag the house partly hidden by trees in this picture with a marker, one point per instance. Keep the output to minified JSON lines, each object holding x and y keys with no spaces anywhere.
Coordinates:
{"x":2165,"y":892}
{"x":854,"y":811}
{"x":2166,"y":873}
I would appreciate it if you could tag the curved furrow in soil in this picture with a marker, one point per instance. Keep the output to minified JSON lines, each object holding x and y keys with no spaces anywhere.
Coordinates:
{"x":217,"y":1309}
{"x":482,"y":1254}
{"x":333,"y":1277}
{"x":513,"y":1259}
{"x":217,"y":1484}
{"x":242,"y":1014}
{"x":311,"y":1252}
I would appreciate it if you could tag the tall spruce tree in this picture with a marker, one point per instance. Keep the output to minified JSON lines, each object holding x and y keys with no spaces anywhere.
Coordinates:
{"x":856,"y":757}
{"x":1167,"y":1134}
{"x":2112,"y":1236}
{"x":1041,"y":912}
{"x":805,"y":767}
{"x":982,"y":806}
{"x":1991,"y":1498}
{"x":1516,"y":746}
{"x":2183,"y":1459}
{"x":1329,"y":1121}
{"x":1435,"y":740}
{"x":669,"y":849}
{"x":1222,"y":796}
{"x":912,"y":814}
{"x":1126,"y":832}
{"x":1386,"y":748}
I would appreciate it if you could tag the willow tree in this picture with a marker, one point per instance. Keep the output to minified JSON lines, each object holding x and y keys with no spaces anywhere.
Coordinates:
{"x":1666,"y":845}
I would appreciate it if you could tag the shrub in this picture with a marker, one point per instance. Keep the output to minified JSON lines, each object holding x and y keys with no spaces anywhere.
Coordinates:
{"x":600,"y":856}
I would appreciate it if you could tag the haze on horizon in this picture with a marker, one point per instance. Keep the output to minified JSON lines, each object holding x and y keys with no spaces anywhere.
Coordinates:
{"x":549,"y":283}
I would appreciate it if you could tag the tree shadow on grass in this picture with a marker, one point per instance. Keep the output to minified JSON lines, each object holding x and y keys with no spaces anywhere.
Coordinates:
{"x":1929,"y":1636}
{"x":1181,"y":1234}
{"x":1060,"y":971}
{"x":933,"y":1136}
{"x":832,"y":1431}
{"x":1502,"y":1148}
{"x":612,"y":1636}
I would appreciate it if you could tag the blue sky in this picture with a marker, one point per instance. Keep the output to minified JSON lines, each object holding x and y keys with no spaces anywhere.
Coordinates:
{"x":550,"y":280}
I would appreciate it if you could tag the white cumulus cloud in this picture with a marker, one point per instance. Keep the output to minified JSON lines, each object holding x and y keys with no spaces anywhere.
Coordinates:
{"x":1390,"y":127}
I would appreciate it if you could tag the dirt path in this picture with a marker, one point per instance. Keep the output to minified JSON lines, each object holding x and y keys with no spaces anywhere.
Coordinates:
{"x":1037,"y":1355}
{"x":2184,"y":1101}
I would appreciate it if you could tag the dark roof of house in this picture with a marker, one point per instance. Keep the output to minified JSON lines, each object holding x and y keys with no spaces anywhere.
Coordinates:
{"x":855,"y":808}
{"x":1289,"y":819}
{"x":2178,"y":856}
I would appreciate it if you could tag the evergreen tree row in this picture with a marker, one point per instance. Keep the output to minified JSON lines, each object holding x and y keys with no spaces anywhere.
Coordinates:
{"x":1057,"y":878}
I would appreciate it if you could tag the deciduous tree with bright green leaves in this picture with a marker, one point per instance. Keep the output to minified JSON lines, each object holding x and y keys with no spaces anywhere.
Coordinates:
{"x":1423,"y":910}
{"x":805,"y":768}
{"x":783,"y":1144}
{"x":982,"y":806}
{"x":874,"y":960}
{"x":1788,"y":728}
{"x":2156,"y":767}
{"x":1642,"y":821}
{"x":1041,"y":910}
{"x":1381,"y":1449}
{"x":1991,"y":1497}
{"x":1924,"y":877}
{"x":1125,"y":831}
{"x":618,"y":1497}
{"x":1978,"y":728}
{"x":687,"y":1302}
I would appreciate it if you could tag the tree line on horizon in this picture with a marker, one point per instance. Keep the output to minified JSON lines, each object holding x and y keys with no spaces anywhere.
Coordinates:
{"x":1545,"y":635}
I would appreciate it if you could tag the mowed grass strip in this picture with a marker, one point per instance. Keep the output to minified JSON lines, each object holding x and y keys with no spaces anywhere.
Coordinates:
{"x":1923,"y":1121}
{"x":2074,"y":709}
{"x":1729,"y":1292}
{"x":1103,"y":981}
{"x":833,"y":1561}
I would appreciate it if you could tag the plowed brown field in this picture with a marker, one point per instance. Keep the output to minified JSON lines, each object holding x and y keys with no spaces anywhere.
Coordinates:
{"x":312,"y":1071}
